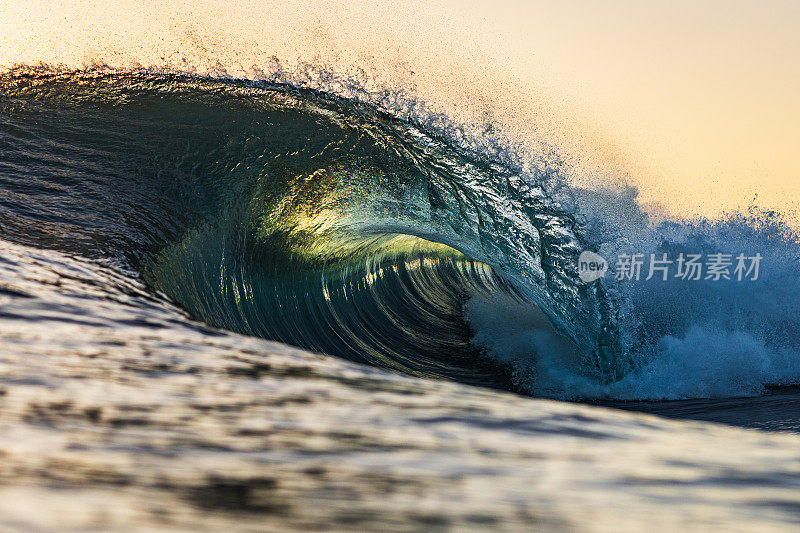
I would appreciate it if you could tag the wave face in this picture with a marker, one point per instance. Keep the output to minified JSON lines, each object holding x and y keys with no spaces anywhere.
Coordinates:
{"x":333,"y":225}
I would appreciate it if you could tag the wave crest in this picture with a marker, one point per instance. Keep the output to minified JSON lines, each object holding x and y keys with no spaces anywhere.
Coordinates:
{"x":329,"y":222}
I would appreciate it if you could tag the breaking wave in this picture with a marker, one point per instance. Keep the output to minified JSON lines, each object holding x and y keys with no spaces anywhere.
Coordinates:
{"x":359,"y":224}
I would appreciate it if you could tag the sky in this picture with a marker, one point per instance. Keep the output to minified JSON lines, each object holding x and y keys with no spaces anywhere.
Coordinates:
{"x":694,"y":102}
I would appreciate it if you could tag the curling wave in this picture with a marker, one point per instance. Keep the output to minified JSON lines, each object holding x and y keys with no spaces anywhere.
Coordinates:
{"x":331,"y":224}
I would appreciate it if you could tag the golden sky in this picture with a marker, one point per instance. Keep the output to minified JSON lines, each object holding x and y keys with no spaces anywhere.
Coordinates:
{"x":696,"y":102}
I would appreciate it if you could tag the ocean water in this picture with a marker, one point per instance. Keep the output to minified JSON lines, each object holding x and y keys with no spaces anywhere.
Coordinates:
{"x":253,"y":304}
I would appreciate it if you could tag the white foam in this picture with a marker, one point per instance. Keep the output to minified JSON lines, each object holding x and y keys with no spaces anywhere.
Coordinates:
{"x":685,"y":339}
